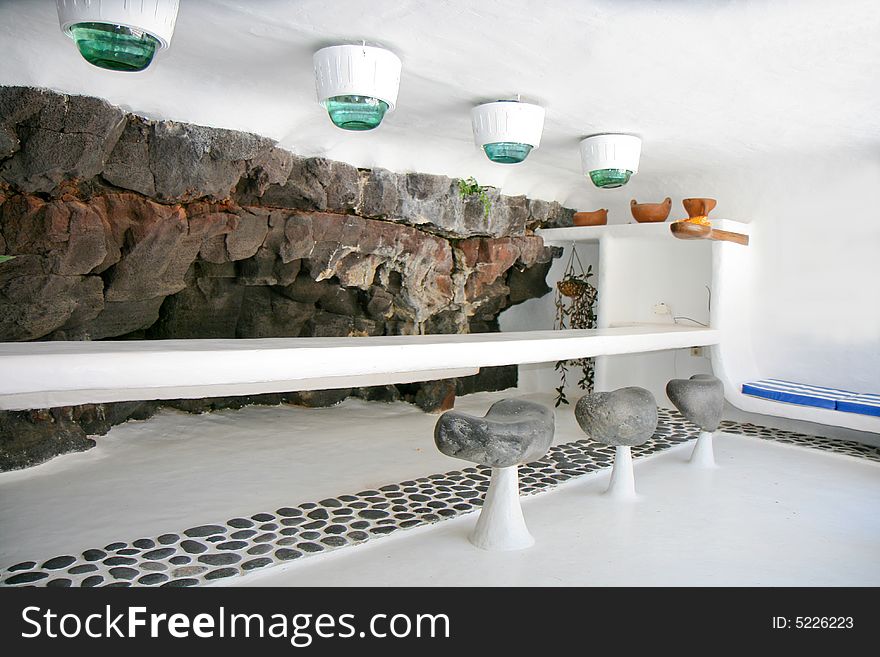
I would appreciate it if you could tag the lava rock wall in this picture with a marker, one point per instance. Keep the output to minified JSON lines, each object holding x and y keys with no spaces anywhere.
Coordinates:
{"x":124,"y":228}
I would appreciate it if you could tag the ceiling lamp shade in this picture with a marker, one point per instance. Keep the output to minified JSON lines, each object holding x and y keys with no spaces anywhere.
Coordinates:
{"x":357,"y":84}
{"x":507,"y":130}
{"x":119,"y":35}
{"x":610,"y":160}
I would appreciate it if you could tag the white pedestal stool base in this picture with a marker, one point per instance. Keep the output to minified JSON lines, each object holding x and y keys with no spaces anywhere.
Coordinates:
{"x":622,"y":484}
{"x":703,"y":455}
{"x":501,"y":525}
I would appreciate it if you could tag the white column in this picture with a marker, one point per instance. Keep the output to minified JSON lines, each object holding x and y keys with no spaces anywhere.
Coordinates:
{"x":703,"y":454}
{"x":501,"y":525}
{"x":622,"y":484}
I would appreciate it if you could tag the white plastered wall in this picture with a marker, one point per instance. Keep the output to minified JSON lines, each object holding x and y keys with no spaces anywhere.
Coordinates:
{"x":807,"y":288}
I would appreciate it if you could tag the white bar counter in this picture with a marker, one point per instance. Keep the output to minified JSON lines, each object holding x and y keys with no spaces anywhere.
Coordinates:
{"x":48,"y":374}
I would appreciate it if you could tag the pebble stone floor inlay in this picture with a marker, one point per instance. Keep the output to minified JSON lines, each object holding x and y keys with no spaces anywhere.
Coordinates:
{"x":207,"y":553}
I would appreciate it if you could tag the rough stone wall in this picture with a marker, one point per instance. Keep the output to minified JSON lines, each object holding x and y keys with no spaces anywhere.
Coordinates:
{"x":126,"y":228}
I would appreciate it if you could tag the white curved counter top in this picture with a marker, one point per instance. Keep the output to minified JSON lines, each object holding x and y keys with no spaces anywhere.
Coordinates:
{"x":49,"y":374}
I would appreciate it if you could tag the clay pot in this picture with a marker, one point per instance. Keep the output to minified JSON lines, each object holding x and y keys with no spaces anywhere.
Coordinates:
{"x":650,"y":212}
{"x":594,"y":218}
{"x":698,"y":207}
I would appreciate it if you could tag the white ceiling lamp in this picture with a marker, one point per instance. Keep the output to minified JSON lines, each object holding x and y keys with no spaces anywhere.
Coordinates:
{"x":119,"y":35}
{"x":357,"y":84}
{"x":610,"y":160}
{"x":507,"y":130}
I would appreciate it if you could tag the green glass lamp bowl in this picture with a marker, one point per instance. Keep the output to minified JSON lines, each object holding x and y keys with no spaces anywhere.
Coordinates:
{"x":356,"y":112}
{"x":610,"y":178}
{"x":114,"y":47}
{"x":507,"y":152}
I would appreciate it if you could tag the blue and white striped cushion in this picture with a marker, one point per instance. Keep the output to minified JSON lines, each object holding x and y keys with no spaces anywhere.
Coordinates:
{"x":796,"y":393}
{"x":865,"y":404}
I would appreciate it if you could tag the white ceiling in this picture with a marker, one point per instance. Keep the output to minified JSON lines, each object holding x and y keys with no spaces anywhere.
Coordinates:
{"x":710,"y":85}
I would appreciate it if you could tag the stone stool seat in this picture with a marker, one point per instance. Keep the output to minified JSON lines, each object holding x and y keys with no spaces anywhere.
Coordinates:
{"x":623,"y":418}
{"x":700,"y":400}
{"x":512,"y":432}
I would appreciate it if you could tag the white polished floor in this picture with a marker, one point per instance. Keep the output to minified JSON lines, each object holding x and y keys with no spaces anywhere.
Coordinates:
{"x":770,"y":515}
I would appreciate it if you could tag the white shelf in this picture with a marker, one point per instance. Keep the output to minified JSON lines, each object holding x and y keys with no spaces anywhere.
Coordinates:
{"x":658,"y":231}
{"x":48,"y":374}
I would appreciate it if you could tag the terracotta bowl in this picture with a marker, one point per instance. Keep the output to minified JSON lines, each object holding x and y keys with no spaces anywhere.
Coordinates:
{"x":594,"y":218}
{"x":698,"y":207}
{"x":650,"y":212}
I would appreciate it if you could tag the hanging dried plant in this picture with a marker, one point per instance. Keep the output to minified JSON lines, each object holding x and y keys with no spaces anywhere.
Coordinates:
{"x":575,"y":309}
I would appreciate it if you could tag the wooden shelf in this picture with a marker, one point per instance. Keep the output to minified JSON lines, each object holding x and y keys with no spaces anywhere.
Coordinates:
{"x":658,"y":231}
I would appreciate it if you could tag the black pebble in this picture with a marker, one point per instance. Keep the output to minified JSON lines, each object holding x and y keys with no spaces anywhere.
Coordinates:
{"x":124,"y":573}
{"x":205,"y":530}
{"x":286,"y":554}
{"x":59,"y":562}
{"x":232,"y":545}
{"x":221,"y":572}
{"x":119,"y":561}
{"x":240,"y":523}
{"x":224,"y":559}
{"x":193,"y":547}
{"x":187,"y":581}
{"x":309,"y":547}
{"x":382,"y":530}
{"x":256,"y":563}
{"x":82,"y":568}
{"x":24,"y":565}
{"x":243,"y":533}
{"x":160,"y":553}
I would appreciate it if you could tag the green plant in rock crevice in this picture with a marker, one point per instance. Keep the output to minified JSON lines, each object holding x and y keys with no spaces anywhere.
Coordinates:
{"x":470,"y":187}
{"x":4,"y":258}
